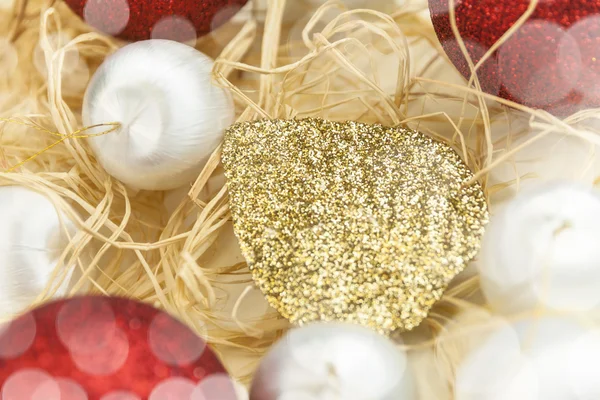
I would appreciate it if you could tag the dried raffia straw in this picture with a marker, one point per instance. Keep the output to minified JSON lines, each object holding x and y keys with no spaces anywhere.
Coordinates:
{"x":78,"y":134}
{"x":176,"y":250}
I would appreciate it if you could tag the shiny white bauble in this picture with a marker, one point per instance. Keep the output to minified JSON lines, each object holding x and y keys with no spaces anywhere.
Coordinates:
{"x":535,"y":359}
{"x":542,"y":251}
{"x":32,"y":238}
{"x":326,"y":361}
{"x":172,"y":114}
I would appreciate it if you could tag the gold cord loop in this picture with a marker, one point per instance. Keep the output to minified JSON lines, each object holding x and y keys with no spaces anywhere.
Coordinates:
{"x":78,"y":134}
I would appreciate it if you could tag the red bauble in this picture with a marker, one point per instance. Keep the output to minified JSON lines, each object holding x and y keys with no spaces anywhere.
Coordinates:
{"x":104,"y":348}
{"x":552,"y":62}
{"x":134,"y":20}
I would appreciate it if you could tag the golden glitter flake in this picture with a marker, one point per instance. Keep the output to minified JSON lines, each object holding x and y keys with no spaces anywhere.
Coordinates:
{"x":349,"y":221}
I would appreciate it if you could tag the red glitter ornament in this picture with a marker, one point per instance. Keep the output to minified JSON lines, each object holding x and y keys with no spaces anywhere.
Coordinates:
{"x":133,"y":20}
{"x":552,"y":62}
{"x":105,"y":348}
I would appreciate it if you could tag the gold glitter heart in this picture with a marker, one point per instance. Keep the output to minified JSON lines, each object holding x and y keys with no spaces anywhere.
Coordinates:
{"x":349,"y":221}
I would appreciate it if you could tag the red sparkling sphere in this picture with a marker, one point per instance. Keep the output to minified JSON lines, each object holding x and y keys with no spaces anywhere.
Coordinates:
{"x":106,"y":348}
{"x":552,"y":62}
{"x":134,"y":20}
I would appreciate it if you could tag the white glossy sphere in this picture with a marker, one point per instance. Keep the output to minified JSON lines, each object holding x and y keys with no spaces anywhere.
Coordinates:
{"x":545,"y":359}
{"x":327,"y":361}
{"x":173,"y":116}
{"x":542,"y":251}
{"x":31,"y":241}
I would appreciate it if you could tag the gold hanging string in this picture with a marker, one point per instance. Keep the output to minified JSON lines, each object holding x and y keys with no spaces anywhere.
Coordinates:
{"x":78,"y":134}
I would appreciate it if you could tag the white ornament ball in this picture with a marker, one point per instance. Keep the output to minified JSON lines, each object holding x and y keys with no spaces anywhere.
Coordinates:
{"x":172,"y":115}
{"x":327,"y":361}
{"x":32,"y":239}
{"x":542,"y":251}
{"x":545,"y":359}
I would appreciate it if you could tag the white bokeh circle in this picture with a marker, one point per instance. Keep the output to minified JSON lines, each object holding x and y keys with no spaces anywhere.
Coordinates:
{"x":173,"y":389}
{"x":177,"y":28}
{"x":56,"y":41}
{"x":89,"y":335}
{"x":77,"y":80}
{"x":585,"y":34}
{"x":74,"y":71}
{"x":9,"y":57}
{"x":70,"y":390}
{"x":187,"y":349}
{"x":95,"y":14}
{"x":569,"y":53}
{"x":218,"y":386}
{"x":16,"y":337}
{"x":30,"y":384}
{"x":442,"y":7}
{"x":551,"y":79}
{"x":104,"y":361}
{"x":223,"y":15}
{"x":233,"y":13}
{"x":120,"y":395}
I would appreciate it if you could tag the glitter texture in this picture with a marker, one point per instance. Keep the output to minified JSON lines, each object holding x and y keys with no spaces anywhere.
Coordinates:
{"x":552,"y":62}
{"x":176,"y":17}
{"x":349,"y":221}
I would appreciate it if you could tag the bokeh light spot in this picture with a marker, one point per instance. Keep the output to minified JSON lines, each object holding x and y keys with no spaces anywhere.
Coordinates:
{"x":185,"y":350}
{"x":537,"y":43}
{"x":70,"y":390}
{"x":173,"y":389}
{"x":176,"y":28}
{"x":9,"y":58}
{"x":104,"y":361}
{"x":30,"y":384}
{"x":95,"y":14}
{"x":120,"y":395}
{"x":17,"y":336}
{"x":217,"y":386}
{"x":86,"y":325}
{"x":56,"y":41}
{"x":443,"y":6}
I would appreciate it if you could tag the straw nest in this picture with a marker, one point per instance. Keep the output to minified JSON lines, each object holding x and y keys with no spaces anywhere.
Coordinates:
{"x":176,"y":249}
